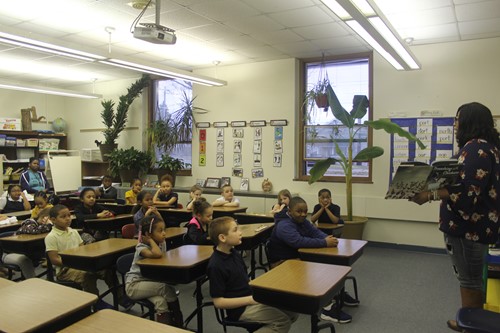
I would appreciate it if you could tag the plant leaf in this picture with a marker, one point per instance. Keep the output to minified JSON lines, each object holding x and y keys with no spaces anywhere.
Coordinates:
{"x":338,"y":111}
{"x":319,"y":169}
{"x":359,"y":106}
{"x":368,"y":154}
{"x":394,"y":128}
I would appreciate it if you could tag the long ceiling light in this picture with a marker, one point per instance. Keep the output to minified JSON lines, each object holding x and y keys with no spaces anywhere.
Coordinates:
{"x":366,"y":19}
{"x":72,"y":53}
{"x":46,"y":90}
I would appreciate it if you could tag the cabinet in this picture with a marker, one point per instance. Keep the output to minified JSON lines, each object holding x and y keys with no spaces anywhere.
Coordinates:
{"x":18,"y":156}
{"x":92,"y":171}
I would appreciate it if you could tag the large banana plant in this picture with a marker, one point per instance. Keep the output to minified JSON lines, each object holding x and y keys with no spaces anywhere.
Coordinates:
{"x":348,"y":119}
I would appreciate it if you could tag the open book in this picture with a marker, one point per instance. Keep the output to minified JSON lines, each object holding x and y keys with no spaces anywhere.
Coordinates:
{"x":415,"y":177}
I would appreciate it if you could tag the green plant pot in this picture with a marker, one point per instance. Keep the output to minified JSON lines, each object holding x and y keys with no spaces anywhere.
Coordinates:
{"x":127,"y":175}
{"x":106,"y":149}
{"x":354,"y":229}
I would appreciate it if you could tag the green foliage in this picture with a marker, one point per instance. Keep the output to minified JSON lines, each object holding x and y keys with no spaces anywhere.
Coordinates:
{"x":319,"y":89}
{"x":348,"y":119}
{"x":170,"y":163}
{"x":128,"y":159}
{"x":115,"y":122}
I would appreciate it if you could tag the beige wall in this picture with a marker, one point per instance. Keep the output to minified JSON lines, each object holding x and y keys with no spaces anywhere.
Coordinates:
{"x":452,"y":74}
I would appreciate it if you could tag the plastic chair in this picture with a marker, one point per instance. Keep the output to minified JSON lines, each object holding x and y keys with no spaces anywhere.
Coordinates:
{"x":123,"y":265}
{"x":128,"y":231}
{"x":11,"y":268}
{"x":52,"y":278}
{"x":224,"y":321}
{"x":478,"y":320}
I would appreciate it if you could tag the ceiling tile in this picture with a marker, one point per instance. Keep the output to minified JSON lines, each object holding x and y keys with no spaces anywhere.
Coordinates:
{"x":429,"y":32}
{"x":254,"y":24}
{"x":408,"y":6}
{"x":279,"y":36}
{"x":483,"y":28}
{"x":478,"y":11}
{"x":422,"y":18}
{"x":224,"y":10}
{"x":272,"y":6}
{"x":183,"y":19}
{"x":301,"y":17}
{"x":322,"y":31}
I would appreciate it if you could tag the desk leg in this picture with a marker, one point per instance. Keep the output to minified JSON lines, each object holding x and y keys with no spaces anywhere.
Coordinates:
{"x":315,"y":328}
{"x":253,"y":264}
{"x":199,"y":305}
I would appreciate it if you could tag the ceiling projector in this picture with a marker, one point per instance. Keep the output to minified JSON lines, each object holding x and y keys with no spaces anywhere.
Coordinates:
{"x":155,"y":33}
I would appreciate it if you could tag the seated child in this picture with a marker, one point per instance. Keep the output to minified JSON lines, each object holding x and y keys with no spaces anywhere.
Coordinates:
{"x":14,"y":200}
{"x":88,"y":209}
{"x":143,"y":208}
{"x":131,"y":195}
{"x":197,"y":228}
{"x":295,"y":232}
{"x":227,"y":198}
{"x":229,"y":286}
{"x":152,"y":245}
{"x":165,"y":196}
{"x":106,"y":190}
{"x":194,"y":194}
{"x":41,"y":202}
{"x":281,"y":208}
{"x":326,"y":211}
{"x":32,"y":227}
{"x":63,"y":237}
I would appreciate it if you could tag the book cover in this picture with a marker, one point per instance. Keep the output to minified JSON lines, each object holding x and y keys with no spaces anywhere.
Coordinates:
{"x":415,"y":177}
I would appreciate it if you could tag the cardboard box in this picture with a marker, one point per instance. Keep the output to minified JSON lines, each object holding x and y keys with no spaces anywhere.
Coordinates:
{"x":31,"y":142}
{"x":10,"y":124}
{"x":20,"y":142}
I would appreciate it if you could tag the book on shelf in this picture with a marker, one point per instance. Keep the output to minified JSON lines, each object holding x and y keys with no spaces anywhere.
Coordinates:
{"x":414,"y":177}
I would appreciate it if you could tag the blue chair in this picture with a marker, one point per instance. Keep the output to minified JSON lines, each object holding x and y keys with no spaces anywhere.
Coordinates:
{"x":476,"y":320}
{"x":224,"y":321}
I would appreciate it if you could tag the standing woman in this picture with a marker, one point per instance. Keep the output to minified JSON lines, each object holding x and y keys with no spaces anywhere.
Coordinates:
{"x":33,"y":180}
{"x":469,"y":212}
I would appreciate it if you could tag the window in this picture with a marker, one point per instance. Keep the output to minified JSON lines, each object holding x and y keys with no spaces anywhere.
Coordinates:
{"x":348,"y":77}
{"x":169,"y":96}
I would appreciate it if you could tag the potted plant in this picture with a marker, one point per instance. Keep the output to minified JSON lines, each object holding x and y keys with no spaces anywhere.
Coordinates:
{"x":128,"y":163}
{"x":317,"y":95}
{"x":348,"y":119}
{"x":169,"y":165}
{"x":115,"y":122}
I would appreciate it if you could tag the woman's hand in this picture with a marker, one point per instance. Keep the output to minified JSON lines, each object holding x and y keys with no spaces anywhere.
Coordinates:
{"x":421,"y":198}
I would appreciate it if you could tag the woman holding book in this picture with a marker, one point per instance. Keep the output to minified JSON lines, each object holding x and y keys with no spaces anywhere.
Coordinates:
{"x":469,"y":214}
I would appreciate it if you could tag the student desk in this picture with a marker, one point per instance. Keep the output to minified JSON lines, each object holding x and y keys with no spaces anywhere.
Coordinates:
{"x":42,"y":306}
{"x":111,"y":321}
{"x":21,"y":215}
{"x":300,"y":286}
{"x":114,"y":223}
{"x":328,"y":228}
{"x":10,"y":226}
{"x":6,"y":283}
{"x":228,"y":211}
{"x":184,"y":265}
{"x":346,"y":253}
{"x":177,"y":214}
{"x":174,"y":236}
{"x":248,"y":218}
{"x":117,"y":208}
{"x":24,"y":243}
{"x":99,"y":255}
{"x":252,"y":236}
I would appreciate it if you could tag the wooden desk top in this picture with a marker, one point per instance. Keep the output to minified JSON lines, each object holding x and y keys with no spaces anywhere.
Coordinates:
{"x":304,"y":278}
{"x":173,"y":232}
{"x":329,"y":226}
{"x":230,"y":209}
{"x":113,"y":218}
{"x":101,"y":248}
{"x":109,"y":321}
{"x":346,"y":252}
{"x":251,"y":230}
{"x":31,"y":304}
{"x":182,"y":257}
{"x":271,"y":216}
{"x":24,"y":238}
{"x":21,"y":213}
{"x":10,"y":226}
{"x":6,"y":283}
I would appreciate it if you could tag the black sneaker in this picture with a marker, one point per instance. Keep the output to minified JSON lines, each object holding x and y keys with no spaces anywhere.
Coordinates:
{"x":350,"y":301}
{"x":336,"y":316}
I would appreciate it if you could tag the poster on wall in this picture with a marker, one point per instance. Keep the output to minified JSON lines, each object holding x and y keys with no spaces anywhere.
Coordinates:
{"x":202,"y":151}
{"x":237,"y":146}
{"x":257,"y":160}
{"x":219,"y":160}
{"x":257,"y":173}
{"x":236,"y":160}
{"x":277,"y":161}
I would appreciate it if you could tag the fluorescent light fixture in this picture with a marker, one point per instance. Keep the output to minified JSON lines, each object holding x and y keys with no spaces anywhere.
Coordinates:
{"x":46,"y":90}
{"x":72,"y":53}
{"x":165,"y":73}
{"x":366,"y":19}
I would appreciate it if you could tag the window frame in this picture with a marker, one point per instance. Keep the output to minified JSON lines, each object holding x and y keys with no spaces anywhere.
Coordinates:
{"x":151,"y":110}
{"x":301,"y":161}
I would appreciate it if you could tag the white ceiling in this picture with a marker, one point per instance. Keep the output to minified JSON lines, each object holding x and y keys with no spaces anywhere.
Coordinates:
{"x":228,"y":31}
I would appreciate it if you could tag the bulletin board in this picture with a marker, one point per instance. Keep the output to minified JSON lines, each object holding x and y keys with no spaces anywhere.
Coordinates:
{"x":65,"y":169}
{"x":437,"y":135}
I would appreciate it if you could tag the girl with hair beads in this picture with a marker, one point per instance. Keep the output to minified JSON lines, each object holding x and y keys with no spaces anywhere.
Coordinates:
{"x":152,"y":245}
{"x":198,"y":226}
{"x":41,"y":202}
{"x":144,"y":208}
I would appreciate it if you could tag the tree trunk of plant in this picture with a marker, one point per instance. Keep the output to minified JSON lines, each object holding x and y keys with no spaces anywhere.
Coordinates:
{"x":348,"y":178}
{"x":106,"y":149}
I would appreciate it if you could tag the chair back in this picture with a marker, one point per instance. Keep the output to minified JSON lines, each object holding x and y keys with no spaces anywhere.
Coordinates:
{"x":477,"y":320}
{"x":224,"y":321}
{"x":128,"y":231}
{"x":124,"y":263}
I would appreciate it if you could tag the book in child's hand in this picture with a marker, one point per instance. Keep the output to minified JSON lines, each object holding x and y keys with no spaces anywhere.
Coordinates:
{"x":414,"y":177}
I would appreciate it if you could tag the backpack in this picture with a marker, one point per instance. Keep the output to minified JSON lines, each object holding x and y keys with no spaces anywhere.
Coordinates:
{"x":32,"y":227}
